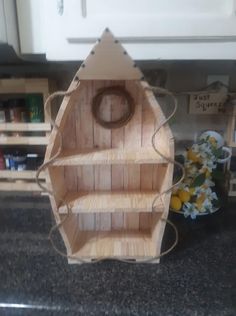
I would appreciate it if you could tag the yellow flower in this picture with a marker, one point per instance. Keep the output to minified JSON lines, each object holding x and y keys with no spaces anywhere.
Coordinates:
{"x":191,"y":191}
{"x":175,"y":203}
{"x":191,"y":155}
{"x":200,"y":200}
{"x":184,"y":196}
{"x":213,"y":141}
{"x":207,"y":172}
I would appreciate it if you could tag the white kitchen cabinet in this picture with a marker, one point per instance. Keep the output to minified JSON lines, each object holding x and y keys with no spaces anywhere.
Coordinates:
{"x":149,"y":30}
{"x":8,"y":24}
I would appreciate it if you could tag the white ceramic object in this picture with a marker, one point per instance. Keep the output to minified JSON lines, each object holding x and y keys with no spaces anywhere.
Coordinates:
{"x":220,"y":142}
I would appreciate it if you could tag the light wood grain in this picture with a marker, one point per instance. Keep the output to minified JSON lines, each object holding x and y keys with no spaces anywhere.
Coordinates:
{"x":111,"y":177}
{"x":23,"y":140}
{"x":146,"y":170}
{"x":69,"y":141}
{"x":84,"y":137}
{"x":19,"y":185}
{"x":123,"y":244}
{"x":105,"y":201}
{"x":102,"y":173}
{"x":109,"y":61}
{"x":132,"y":139}
{"x":23,"y":85}
{"x":231,"y":129}
{"x":20,"y":127}
{"x":26,"y":174}
{"x":117,"y":140}
{"x":139,"y":155}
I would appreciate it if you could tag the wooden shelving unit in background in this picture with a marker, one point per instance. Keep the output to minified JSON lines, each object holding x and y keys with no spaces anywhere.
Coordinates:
{"x":231,"y":142}
{"x":23,"y":180}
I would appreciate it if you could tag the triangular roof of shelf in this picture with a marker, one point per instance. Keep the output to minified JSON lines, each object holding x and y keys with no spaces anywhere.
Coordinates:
{"x":109,"y":61}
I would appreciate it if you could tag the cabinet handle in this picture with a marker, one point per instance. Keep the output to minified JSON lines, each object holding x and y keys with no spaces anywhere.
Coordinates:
{"x":60,"y":6}
{"x":84,"y":8}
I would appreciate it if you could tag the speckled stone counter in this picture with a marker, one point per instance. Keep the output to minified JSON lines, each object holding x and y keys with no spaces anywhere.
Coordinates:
{"x":197,"y":278}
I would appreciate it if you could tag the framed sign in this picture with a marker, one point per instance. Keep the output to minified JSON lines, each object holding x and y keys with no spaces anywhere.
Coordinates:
{"x":208,"y":103}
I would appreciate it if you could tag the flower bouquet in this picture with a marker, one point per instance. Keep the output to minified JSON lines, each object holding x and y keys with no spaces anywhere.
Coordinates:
{"x":196,"y":195}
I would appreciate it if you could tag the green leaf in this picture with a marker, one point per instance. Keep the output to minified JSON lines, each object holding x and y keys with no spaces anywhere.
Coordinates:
{"x":217,"y":152}
{"x":199,"y":180}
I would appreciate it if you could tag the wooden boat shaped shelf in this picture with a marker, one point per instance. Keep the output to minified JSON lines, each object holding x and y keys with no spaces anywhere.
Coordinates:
{"x":110,"y":176}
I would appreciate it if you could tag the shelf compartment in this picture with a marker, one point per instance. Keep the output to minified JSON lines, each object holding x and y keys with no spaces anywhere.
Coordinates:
{"x":25,"y":174}
{"x":115,"y":201}
{"x":109,"y":156}
{"x":25,"y":127}
{"x":129,"y":244}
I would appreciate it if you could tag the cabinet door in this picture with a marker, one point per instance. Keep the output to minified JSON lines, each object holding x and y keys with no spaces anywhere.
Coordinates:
{"x":8,"y":25}
{"x":148,"y":29}
{"x":31,"y":24}
{"x":148,"y":20}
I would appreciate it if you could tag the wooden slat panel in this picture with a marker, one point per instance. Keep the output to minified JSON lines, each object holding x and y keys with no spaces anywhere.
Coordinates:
{"x":231,"y":131}
{"x":31,"y":127}
{"x":69,"y":231}
{"x":84,"y":136}
{"x":23,"y":140}
{"x":27,"y":174}
{"x":65,"y":108}
{"x":69,"y":141}
{"x":34,"y":85}
{"x":148,"y":126}
{"x":117,"y":171}
{"x":112,"y":156}
{"x":56,"y":182}
{"x":124,"y":244}
{"x":19,"y":186}
{"x":115,"y":201}
{"x":132,"y":139}
{"x":102,"y":174}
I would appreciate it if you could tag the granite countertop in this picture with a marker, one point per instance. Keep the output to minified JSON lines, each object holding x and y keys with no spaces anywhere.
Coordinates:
{"x":197,"y":278}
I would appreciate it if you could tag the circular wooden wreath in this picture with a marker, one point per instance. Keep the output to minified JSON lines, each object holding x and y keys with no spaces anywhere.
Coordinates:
{"x":117,"y":91}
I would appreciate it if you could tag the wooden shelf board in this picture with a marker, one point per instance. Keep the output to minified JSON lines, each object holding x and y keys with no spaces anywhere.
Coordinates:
{"x":23,"y":140}
{"x":14,"y":174}
{"x":19,"y":186}
{"x":19,"y":127}
{"x":115,"y":201}
{"x":24,"y":85}
{"x":145,"y":155}
{"x":122,"y":244}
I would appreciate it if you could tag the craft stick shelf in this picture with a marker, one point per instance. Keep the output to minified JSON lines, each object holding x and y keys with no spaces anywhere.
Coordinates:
{"x":109,"y":156}
{"x":121,"y":201}
{"x":125,"y":244}
{"x":31,"y":134}
{"x":110,"y":176}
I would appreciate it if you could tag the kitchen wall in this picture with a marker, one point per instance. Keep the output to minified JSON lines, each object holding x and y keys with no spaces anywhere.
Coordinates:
{"x":176,"y":76}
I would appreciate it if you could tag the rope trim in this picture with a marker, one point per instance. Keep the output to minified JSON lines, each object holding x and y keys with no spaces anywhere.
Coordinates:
{"x":69,"y":212}
{"x":117,"y":91}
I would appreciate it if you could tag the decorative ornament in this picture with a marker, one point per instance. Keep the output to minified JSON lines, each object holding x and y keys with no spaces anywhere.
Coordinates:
{"x":196,"y":195}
